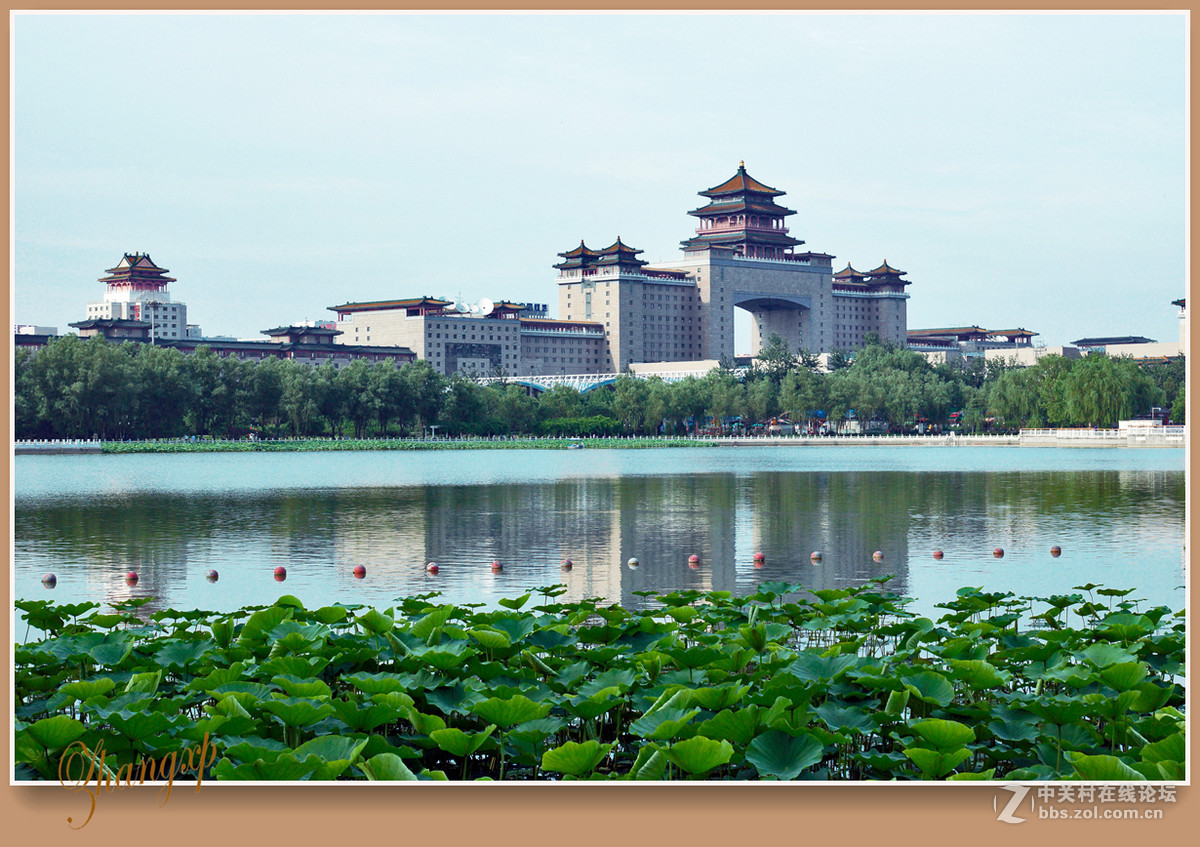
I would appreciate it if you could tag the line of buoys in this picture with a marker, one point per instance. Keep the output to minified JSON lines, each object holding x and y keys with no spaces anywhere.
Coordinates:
{"x":937,"y":554}
{"x":131,"y":578}
{"x":1056,"y":551}
{"x":360,"y":571}
{"x":432,"y":567}
{"x":212,"y":576}
{"x":49,"y":580}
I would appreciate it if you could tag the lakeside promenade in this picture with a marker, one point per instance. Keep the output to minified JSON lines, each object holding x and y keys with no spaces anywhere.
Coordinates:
{"x":1171,"y":436}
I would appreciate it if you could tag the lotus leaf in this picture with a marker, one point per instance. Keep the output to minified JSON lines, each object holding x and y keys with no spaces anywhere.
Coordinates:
{"x":737,"y":727}
{"x":783,"y":756}
{"x":387,"y":766}
{"x":699,"y":755}
{"x":458,"y":743}
{"x":943,"y":734}
{"x":662,"y":724}
{"x":1102,"y":768}
{"x":296,"y":711}
{"x":57,"y":732}
{"x":935,"y":764}
{"x":574,"y":759}
{"x":929,"y":687}
{"x":509,"y":712}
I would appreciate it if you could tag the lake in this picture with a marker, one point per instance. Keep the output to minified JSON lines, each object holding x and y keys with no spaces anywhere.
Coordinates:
{"x":1117,"y":513}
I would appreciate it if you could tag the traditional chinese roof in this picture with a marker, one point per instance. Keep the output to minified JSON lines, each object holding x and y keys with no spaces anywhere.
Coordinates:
{"x":1180,"y":303}
{"x":136,"y":268}
{"x":385,"y":305}
{"x":581,"y":257}
{"x":295,"y":331}
{"x":751,"y":205}
{"x":1106,"y":341}
{"x":885,"y":270}
{"x":963,"y":333}
{"x":1013,"y":333}
{"x":110,"y":323}
{"x":849,"y":274}
{"x":619,"y":254}
{"x":739,"y":182}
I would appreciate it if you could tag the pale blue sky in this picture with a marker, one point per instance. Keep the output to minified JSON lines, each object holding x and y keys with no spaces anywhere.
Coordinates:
{"x":1025,"y":170}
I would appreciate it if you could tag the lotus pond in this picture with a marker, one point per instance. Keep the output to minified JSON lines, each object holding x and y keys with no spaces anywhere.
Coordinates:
{"x":781,"y":684}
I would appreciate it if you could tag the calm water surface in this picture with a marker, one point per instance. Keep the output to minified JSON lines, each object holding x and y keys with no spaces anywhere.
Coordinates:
{"x":1118,"y":515}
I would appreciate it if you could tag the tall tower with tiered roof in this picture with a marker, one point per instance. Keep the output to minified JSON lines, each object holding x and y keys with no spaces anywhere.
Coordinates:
{"x":136,"y":289}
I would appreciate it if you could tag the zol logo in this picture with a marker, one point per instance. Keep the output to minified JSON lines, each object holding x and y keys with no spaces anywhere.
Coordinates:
{"x":1014,"y":803}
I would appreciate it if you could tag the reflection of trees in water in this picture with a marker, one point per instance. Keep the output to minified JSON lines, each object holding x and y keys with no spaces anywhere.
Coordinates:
{"x":597,"y":522}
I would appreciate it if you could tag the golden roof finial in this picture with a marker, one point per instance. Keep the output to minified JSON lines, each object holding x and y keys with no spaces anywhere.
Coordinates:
{"x":742,"y":165}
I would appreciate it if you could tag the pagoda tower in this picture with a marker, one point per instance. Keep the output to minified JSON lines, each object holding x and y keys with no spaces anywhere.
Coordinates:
{"x":136,"y":290}
{"x":742,"y":216}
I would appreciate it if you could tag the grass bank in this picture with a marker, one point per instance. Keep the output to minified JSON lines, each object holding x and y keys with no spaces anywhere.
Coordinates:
{"x":844,"y":685}
{"x":309,"y":445}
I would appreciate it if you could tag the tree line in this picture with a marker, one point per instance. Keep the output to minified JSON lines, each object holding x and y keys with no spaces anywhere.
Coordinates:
{"x":80,"y":388}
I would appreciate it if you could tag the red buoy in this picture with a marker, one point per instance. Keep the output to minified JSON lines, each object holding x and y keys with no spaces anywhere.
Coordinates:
{"x":281,"y":571}
{"x":1056,"y":551}
{"x":432,"y":567}
{"x":497,"y":567}
{"x":937,"y":554}
{"x":360,"y":571}
{"x":211,"y":576}
{"x":816,"y":556}
{"x":49,"y":580}
{"x":998,"y":552}
{"x":693,"y":559}
{"x":131,"y":578}
{"x":567,"y":564}
{"x":877,"y":555}
{"x":759,"y":557}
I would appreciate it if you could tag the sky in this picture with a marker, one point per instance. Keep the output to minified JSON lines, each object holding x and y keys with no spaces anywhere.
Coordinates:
{"x":1025,"y":170}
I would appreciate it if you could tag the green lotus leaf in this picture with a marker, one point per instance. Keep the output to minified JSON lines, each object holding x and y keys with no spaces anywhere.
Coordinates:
{"x":295,"y":687}
{"x":1102,"y":768}
{"x":1151,"y":696}
{"x":249,"y":692}
{"x":944,"y":735}
{"x":387,"y":766}
{"x":1173,"y":748}
{"x":620,"y":679}
{"x":1124,"y":675}
{"x":814,"y":667}
{"x":424,"y":626}
{"x":331,"y":614}
{"x":511,"y":711}
{"x":597,"y":704}
{"x":366,"y":718}
{"x":989,"y":774}
{"x":112,"y":649}
{"x":515,"y":602}
{"x":218,"y":676}
{"x":937,"y":763}
{"x":289,"y":600}
{"x":446,"y":656}
{"x":82,"y":690}
{"x":719,"y":697}
{"x":491,"y":639}
{"x":336,"y":753}
{"x":142,"y":726}
{"x":375,"y":683}
{"x":458,"y":743}
{"x":1103,"y":655}
{"x":896,"y":702}
{"x":662,"y":724}
{"x":699,"y":755}
{"x":737,"y":727}
{"x":55,"y":733}
{"x":574,"y":759}
{"x":376,"y":623}
{"x":845,"y":717}
{"x":650,"y":764}
{"x":979,"y":674}
{"x":1058,"y":710}
{"x":248,"y":750}
{"x":454,"y":699}
{"x":516,"y":628}
{"x":1012,"y":726}
{"x":178,"y":653}
{"x":254,"y":630}
{"x":294,"y":711}
{"x":777,"y":754}
{"x":146,"y":682}
{"x":693,"y":657}
{"x":285,"y":768}
{"x":929,"y":687}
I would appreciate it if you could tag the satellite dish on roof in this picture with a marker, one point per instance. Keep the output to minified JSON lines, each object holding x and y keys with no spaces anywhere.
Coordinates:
{"x":486,"y":306}
{"x":452,"y":307}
